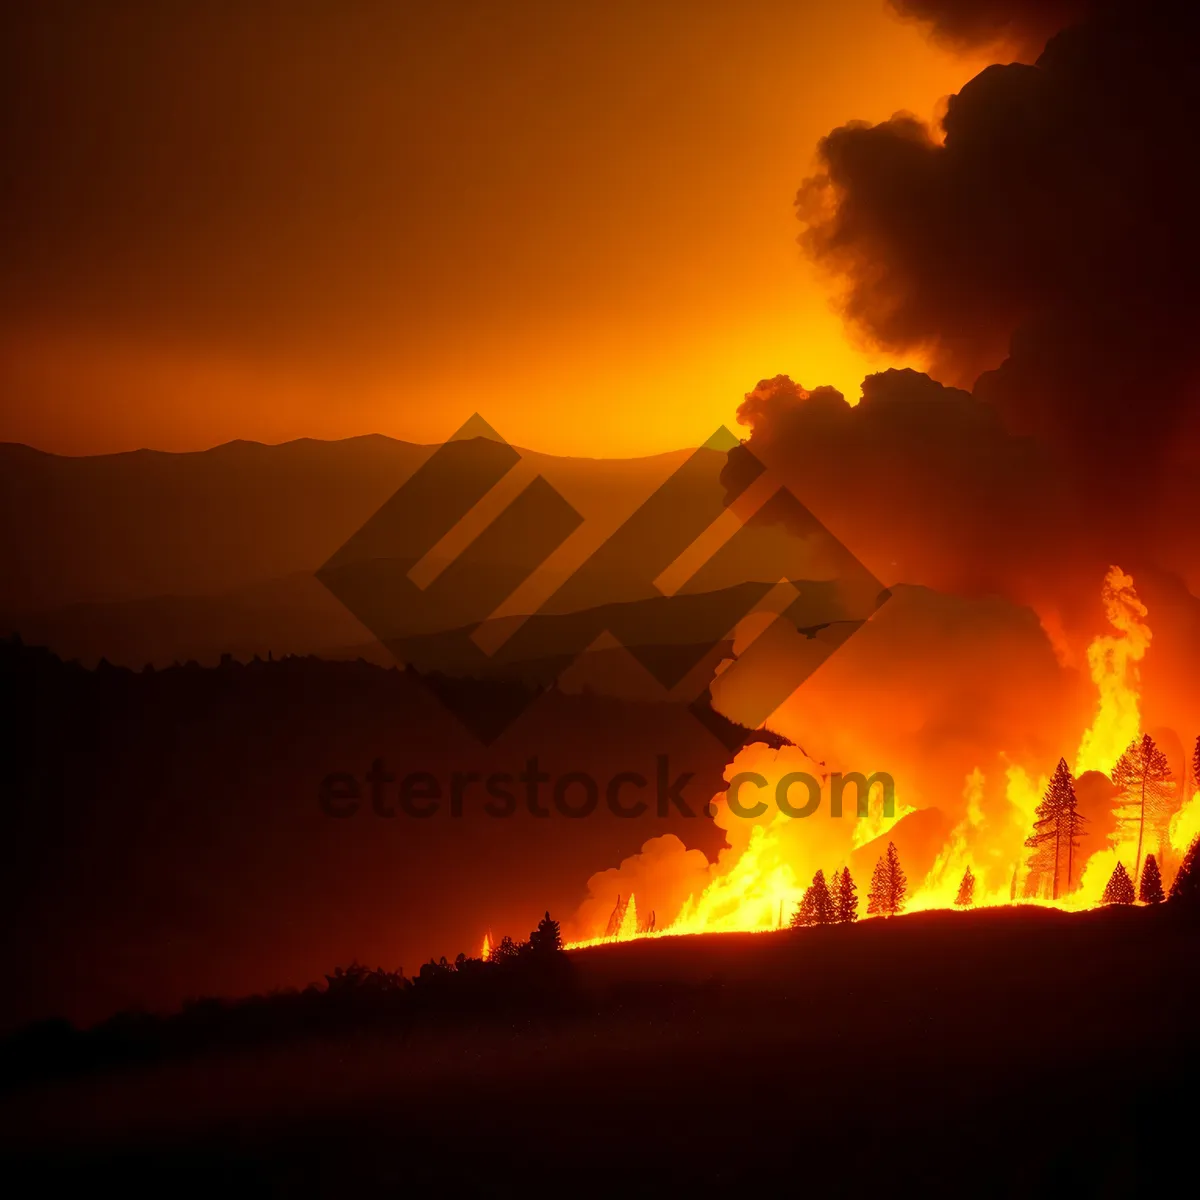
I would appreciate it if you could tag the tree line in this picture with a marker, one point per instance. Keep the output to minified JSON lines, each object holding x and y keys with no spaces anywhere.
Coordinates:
{"x":1146,"y":800}
{"x":1147,"y":796}
{"x":836,"y":902}
{"x":528,"y":981}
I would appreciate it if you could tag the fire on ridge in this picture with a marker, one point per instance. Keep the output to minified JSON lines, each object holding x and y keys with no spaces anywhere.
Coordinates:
{"x":758,"y":884}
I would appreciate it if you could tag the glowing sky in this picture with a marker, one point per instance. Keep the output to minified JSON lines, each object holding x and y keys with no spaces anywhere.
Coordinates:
{"x":287,"y":220}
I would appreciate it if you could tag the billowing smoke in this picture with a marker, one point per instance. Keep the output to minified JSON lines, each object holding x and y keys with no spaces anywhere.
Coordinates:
{"x":1020,"y":25}
{"x":912,"y":477}
{"x":1045,"y":235}
{"x":1039,"y":249}
{"x":1037,"y":254}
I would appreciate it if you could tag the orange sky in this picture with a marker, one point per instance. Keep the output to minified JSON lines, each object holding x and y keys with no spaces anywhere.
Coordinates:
{"x":575,"y":219}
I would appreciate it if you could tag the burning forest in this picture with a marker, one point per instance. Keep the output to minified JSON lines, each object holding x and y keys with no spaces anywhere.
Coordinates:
{"x":375,"y":584}
{"x":1039,"y":834}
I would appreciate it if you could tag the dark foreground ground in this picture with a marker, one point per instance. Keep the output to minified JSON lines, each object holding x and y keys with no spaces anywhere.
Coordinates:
{"x":1004,"y":1052}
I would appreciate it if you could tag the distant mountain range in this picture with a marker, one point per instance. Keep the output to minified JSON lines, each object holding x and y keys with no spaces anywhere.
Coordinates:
{"x":251,"y":551}
{"x":157,"y":557}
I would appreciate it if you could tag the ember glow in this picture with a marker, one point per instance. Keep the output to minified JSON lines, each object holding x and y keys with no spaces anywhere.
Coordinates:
{"x":1113,"y":660}
{"x":758,"y":879}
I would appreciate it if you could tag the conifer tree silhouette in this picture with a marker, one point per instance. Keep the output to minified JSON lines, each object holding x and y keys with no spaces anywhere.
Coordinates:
{"x":547,"y":937}
{"x":1055,"y":836}
{"x":1145,"y":791}
{"x":966,"y":890}
{"x":1151,"y":889}
{"x":875,"y":897}
{"x":1196,"y":767}
{"x":616,"y":918}
{"x":888,"y":885}
{"x":504,"y":951}
{"x":823,"y":907}
{"x":845,"y":898}
{"x":816,"y":906}
{"x":1186,"y":885}
{"x":1119,"y":889}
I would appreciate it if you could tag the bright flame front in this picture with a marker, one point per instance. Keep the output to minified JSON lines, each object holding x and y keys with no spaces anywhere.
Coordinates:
{"x":758,"y":880}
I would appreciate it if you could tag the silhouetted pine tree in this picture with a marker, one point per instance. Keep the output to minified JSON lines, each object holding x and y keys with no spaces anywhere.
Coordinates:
{"x":546,"y":938}
{"x":816,"y":906}
{"x":1119,"y":889}
{"x":966,"y":890}
{"x":1145,"y":792}
{"x":888,"y":885}
{"x":1151,"y":889}
{"x":1071,"y":824}
{"x":845,"y":898}
{"x":1186,"y":885}
{"x":1055,"y":835}
{"x":615,"y":918}
{"x":823,"y":907}
{"x":504,"y":951}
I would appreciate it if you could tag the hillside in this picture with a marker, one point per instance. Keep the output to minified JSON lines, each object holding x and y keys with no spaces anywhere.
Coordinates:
{"x":167,"y":835}
{"x":928,"y":1051}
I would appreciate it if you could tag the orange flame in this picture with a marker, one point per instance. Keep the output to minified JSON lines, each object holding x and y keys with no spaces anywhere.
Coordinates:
{"x":629,"y":922}
{"x":941,"y":883}
{"x":758,"y":880}
{"x":1113,"y":661}
{"x":1185,"y":826}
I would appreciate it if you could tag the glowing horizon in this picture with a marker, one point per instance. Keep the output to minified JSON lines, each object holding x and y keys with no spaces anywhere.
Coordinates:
{"x":609,"y":304}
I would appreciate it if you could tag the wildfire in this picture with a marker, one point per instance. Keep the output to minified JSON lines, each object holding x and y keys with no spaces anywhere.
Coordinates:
{"x":757,"y":886}
{"x":941,"y":884}
{"x":758,"y":880}
{"x":1113,"y":661}
{"x":629,"y":922}
{"x":1185,"y":825}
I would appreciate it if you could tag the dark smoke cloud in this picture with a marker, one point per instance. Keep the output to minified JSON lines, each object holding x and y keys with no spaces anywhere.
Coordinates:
{"x":1041,"y":252}
{"x":1022,"y":25}
{"x":927,"y":485}
{"x":921,"y":480}
{"x":1044,"y":252}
